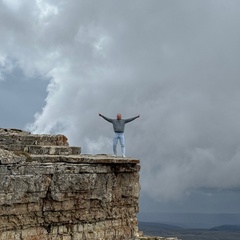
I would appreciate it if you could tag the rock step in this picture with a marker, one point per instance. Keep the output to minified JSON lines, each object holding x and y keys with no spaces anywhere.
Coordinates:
{"x":52,"y":150}
{"x":83,"y":158}
{"x":35,"y":139}
{"x":44,"y":150}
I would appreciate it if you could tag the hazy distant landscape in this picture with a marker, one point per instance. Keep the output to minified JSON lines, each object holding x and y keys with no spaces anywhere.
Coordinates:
{"x":190,"y":226}
{"x":190,"y":220}
{"x":224,"y":232}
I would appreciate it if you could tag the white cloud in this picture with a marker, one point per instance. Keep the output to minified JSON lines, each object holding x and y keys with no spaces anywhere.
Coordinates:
{"x":13,"y":4}
{"x":46,"y":9}
{"x":174,"y":63}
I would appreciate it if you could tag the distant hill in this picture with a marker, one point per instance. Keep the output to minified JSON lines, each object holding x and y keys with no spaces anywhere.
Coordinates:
{"x":227,"y":228}
{"x":229,"y":232}
{"x":190,"y":220}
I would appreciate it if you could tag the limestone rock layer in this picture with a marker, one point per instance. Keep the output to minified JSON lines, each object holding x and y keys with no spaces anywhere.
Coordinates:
{"x":49,"y":190}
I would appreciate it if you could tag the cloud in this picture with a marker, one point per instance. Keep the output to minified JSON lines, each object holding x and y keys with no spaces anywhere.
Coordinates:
{"x":175,"y":63}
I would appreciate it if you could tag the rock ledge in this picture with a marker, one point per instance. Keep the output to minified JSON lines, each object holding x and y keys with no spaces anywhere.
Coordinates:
{"x":49,"y":190}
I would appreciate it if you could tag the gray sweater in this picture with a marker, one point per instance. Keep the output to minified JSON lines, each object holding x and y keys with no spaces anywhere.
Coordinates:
{"x":119,"y":125}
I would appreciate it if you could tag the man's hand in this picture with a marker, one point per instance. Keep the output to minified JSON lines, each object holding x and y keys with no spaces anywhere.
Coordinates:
{"x":100,"y":114}
{"x":138,"y":115}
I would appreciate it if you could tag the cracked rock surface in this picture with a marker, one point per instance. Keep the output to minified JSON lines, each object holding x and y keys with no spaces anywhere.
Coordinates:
{"x":49,"y":190}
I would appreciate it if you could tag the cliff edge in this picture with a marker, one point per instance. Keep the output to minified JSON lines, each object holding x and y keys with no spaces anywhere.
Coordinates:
{"x":49,"y":190}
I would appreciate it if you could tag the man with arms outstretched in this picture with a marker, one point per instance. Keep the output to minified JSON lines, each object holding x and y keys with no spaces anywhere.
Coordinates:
{"x":118,"y":127}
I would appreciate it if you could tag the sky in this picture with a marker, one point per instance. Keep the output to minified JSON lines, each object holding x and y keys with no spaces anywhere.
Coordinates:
{"x":176,"y":63}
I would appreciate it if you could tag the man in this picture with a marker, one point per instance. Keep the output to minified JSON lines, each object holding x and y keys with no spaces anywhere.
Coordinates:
{"x":118,"y":127}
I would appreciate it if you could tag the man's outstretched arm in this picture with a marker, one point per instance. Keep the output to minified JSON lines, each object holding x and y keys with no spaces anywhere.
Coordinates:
{"x":131,"y":119}
{"x":106,"y":118}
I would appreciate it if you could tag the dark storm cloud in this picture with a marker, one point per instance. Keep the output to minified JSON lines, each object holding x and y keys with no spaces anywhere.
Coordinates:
{"x":19,"y":99}
{"x":174,"y":62}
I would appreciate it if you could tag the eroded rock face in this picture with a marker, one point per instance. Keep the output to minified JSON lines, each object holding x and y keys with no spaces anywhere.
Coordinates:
{"x":48,"y":190}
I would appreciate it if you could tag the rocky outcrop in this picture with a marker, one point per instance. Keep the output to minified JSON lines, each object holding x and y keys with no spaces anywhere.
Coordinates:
{"x":49,"y":190}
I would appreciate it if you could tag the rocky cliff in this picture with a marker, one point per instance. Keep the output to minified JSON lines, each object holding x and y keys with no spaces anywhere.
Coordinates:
{"x":49,"y":190}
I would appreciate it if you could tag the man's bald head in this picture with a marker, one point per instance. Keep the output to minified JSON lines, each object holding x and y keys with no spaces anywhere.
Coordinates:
{"x":119,"y":116}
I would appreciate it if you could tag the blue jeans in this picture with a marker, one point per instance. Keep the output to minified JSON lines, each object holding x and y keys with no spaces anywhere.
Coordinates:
{"x":119,"y":136}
